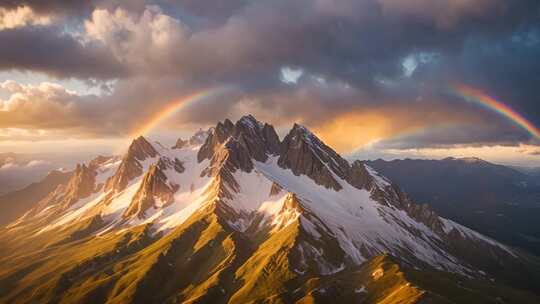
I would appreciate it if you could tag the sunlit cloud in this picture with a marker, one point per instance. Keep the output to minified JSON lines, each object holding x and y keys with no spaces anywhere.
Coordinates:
{"x":21,"y":16}
{"x":47,"y":105}
{"x":529,"y":149}
{"x":142,"y":41}
{"x":364,"y":127}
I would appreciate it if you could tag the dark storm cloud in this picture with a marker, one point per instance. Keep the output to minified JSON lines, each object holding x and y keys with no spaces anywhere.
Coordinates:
{"x":209,"y":12}
{"x":46,"y":49}
{"x":507,"y":69}
{"x":448,"y":136}
{"x":352,"y":40}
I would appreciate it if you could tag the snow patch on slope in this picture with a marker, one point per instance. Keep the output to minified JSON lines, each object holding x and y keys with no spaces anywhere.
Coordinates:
{"x":380,"y":180}
{"x":358,"y":222}
{"x":190,"y":196}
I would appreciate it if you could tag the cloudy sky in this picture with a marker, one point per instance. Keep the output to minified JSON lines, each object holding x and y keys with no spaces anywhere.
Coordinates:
{"x":373,"y":78}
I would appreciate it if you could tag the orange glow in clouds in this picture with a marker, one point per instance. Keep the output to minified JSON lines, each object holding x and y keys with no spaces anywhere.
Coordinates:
{"x":355,"y":130}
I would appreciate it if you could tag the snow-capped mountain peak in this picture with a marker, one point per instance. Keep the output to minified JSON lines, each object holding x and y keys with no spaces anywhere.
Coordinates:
{"x":132,"y":164}
{"x":261,"y":186}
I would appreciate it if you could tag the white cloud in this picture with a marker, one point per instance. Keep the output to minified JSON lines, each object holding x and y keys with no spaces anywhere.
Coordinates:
{"x":12,"y":166}
{"x":290,"y":75}
{"x":28,"y":110}
{"x":138,"y":40}
{"x":45,"y":97}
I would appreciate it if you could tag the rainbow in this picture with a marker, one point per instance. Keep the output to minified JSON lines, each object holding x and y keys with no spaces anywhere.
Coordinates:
{"x":477,"y":96}
{"x":169,"y":110}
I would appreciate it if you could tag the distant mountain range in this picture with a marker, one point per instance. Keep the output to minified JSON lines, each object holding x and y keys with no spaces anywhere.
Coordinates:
{"x":241,"y":216}
{"x":15,"y":204}
{"x":18,"y":170}
{"x":531,"y":171}
{"x":502,"y":202}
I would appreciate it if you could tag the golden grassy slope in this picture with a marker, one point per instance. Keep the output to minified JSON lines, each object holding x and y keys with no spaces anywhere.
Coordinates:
{"x":204,"y":260}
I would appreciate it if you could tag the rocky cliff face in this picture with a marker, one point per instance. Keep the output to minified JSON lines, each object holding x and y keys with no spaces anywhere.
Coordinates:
{"x":259,"y":139}
{"x":256,"y":138}
{"x":227,"y":159}
{"x":303,"y":153}
{"x":231,"y":147}
{"x":359,"y":176}
{"x":81,"y":185}
{"x":218,"y":136}
{"x":156,"y":191}
{"x":131,"y":167}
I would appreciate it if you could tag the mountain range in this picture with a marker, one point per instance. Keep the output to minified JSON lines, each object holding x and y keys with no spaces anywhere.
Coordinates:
{"x":238,"y":215}
{"x":499,"y":201}
{"x":14,"y":204}
{"x":18,"y":170}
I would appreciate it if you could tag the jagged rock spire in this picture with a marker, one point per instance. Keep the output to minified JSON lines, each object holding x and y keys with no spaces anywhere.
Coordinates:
{"x":304,"y":153}
{"x":81,"y":185}
{"x":139,"y":150}
{"x":259,"y":140}
{"x":155,"y":191}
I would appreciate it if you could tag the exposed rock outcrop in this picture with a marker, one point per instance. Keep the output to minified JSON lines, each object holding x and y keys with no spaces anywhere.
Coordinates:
{"x":81,"y":185}
{"x":155,"y":191}
{"x":218,"y":136}
{"x":359,"y":177}
{"x":232,"y":147}
{"x":276,"y":189}
{"x":303,"y":153}
{"x":393,"y":195}
{"x":226,"y":160}
{"x":290,"y":211}
{"x":139,"y":150}
{"x":259,"y":140}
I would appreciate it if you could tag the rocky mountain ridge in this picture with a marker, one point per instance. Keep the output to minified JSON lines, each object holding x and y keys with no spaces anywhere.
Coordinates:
{"x":247,"y":214}
{"x":496,"y":200}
